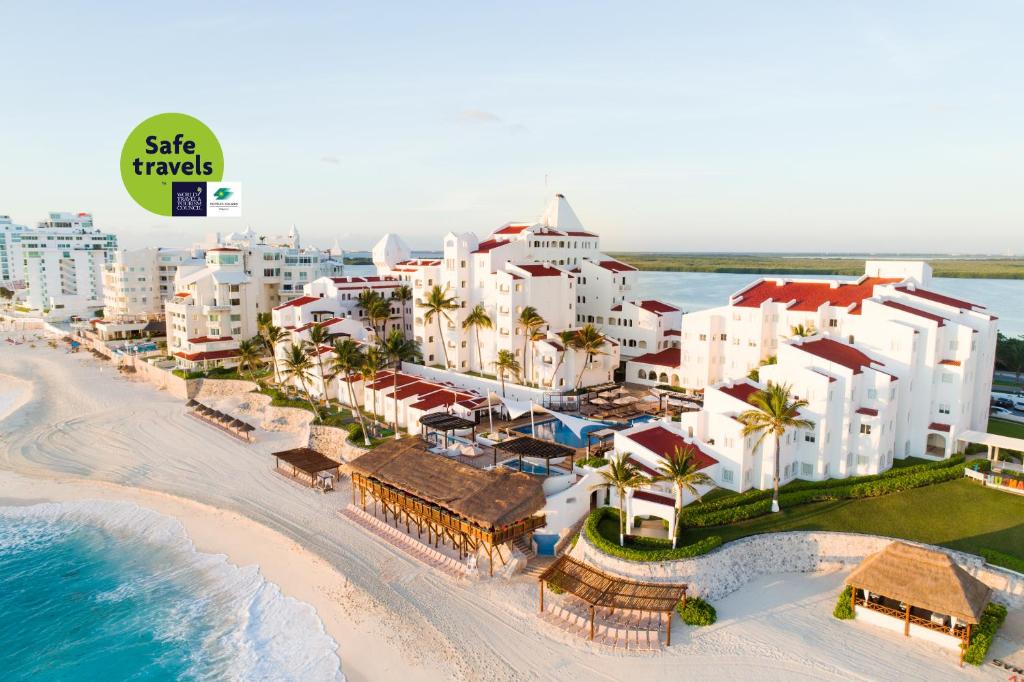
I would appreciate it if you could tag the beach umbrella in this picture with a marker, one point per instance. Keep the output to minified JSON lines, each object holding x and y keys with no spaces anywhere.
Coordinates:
{"x":625,"y":400}
{"x":608,"y":394}
{"x":599,"y":401}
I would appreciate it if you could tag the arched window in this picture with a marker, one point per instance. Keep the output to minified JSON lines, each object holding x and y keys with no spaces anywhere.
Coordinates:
{"x":675,"y":379}
{"x":643,"y":344}
{"x":641,"y":374}
{"x":663,"y":378}
{"x":652,"y":375}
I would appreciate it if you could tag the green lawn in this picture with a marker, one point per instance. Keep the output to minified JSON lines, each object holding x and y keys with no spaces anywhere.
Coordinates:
{"x":959,"y":514}
{"x":1005,"y":428}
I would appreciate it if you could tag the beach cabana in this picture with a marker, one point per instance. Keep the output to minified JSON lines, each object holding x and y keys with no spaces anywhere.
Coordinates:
{"x":443,"y":422}
{"x":453,"y":502}
{"x":601,"y":437}
{"x":528,"y":446}
{"x":305,"y":464}
{"x":921,"y":592}
{"x":602,"y":590}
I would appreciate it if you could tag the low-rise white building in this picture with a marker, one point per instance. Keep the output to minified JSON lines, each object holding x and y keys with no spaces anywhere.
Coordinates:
{"x":890,"y":369}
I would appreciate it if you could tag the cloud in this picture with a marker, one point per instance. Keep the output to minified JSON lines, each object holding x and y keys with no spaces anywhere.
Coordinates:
{"x":477,"y":116}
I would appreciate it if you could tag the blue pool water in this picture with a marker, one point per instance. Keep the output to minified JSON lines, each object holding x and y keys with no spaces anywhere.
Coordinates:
{"x":108,"y":591}
{"x":555,"y":430}
{"x":528,"y":468}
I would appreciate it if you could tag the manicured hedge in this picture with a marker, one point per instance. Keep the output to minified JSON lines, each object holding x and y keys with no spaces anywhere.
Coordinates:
{"x":984,"y":632}
{"x":697,"y":612}
{"x":997,"y":558}
{"x":642,"y":548}
{"x":895,"y":480}
{"x":844,"y":606}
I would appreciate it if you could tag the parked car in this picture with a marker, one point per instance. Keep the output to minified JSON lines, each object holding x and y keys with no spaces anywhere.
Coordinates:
{"x":999,"y":411}
{"x":1002,"y":402}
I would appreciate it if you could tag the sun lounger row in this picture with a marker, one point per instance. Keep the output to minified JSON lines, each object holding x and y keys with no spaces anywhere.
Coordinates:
{"x":632,"y":639}
{"x":411,"y":546}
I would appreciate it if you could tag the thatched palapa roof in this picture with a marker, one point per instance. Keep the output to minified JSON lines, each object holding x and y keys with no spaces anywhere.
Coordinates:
{"x":924,"y":578}
{"x":490,"y":499}
{"x":307,"y":459}
{"x":598,"y":588}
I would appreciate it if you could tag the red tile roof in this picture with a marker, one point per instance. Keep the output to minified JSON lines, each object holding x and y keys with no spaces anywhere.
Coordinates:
{"x":300,"y":301}
{"x":580,"y":234}
{"x":325,"y":323}
{"x":183,"y":294}
{"x":515,"y":228}
{"x":937,"y":426}
{"x":951,"y":363}
{"x":207,"y":355}
{"x":939,"y":298}
{"x":658,"y":307}
{"x":669,"y":357}
{"x":839,"y":353}
{"x":661,"y":441}
{"x":941,"y":321}
{"x":654,"y":497}
{"x":437,"y":399}
{"x":741,"y":391}
{"x":209,"y":339}
{"x":223,"y":248}
{"x":673,"y":332}
{"x":616,"y":266}
{"x":868,"y":411}
{"x":808,"y":296}
{"x":415,"y":388}
{"x":540,"y":269}
{"x":487,"y":245}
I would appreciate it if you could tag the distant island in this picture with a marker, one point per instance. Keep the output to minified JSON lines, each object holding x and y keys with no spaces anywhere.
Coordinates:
{"x":981,"y":267}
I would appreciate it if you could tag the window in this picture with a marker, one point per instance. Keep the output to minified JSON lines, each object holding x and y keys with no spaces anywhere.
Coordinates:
{"x":947,"y":378}
{"x":833,"y":322}
{"x":872,"y":394}
{"x":943,"y":408}
{"x":809,"y":436}
{"x":862,"y":461}
{"x":865,"y":429}
{"x":806,"y":469}
{"x":726,"y":475}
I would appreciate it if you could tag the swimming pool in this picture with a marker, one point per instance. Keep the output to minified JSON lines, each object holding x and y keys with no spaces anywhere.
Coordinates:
{"x":529,"y":468}
{"x":553,"y":429}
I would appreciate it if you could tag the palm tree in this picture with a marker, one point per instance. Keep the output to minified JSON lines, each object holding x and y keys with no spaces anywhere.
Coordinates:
{"x":437,"y":305}
{"x":681,"y":471}
{"x":272,"y":336}
{"x":379,"y":312}
{"x":620,"y":474}
{"x":530,"y":320}
{"x":535,"y":336}
{"x":263,"y":320}
{"x":373,"y":361}
{"x":366,"y":297}
{"x":1010,"y":354}
{"x":348,"y":359}
{"x":317,"y":338}
{"x":399,"y":349}
{"x":476,"y":320}
{"x":506,"y":362}
{"x":774,"y":413}
{"x":803,"y":330}
{"x":568,"y":341}
{"x":590,"y":341}
{"x":249,"y":356}
{"x":402,"y":294}
{"x":298,"y":365}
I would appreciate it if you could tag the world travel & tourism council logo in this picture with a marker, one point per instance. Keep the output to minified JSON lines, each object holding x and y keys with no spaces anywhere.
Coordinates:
{"x":172,"y":164}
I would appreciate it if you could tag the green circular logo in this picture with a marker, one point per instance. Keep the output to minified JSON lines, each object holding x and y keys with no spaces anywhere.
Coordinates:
{"x":165,"y":149}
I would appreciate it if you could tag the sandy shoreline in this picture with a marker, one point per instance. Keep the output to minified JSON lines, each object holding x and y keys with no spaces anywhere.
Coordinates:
{"x":88,"y":433}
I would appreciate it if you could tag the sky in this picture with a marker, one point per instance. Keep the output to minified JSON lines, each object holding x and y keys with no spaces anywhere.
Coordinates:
{"x":677,"y":126}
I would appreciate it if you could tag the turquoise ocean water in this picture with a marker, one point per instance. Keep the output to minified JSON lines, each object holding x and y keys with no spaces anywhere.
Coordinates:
{"x":109,"y":591}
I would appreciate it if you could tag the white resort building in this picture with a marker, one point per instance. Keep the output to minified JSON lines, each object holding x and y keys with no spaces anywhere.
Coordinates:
{"x":216,"y":302}
{"x":59,"y":263}
{"x":137,"y":283}
{"x":889,"y":367}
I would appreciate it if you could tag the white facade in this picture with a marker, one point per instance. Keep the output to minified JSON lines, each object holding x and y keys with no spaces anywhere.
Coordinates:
{"x":216,"y":302}
{"x":137,"y":283}
{"x":554,"y":265}
{"x":62,"y":263}
{"x":890,"y":369}
{"x":12,"y":266}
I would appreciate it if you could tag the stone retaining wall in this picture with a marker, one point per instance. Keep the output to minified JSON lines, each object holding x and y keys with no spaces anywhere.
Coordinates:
{"x":333,"y":442}
{"x":730,"y":567}
{"x":161,"y":378}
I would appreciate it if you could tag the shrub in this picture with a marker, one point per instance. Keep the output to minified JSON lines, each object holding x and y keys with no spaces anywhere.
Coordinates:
{"x":994,"y":556}
{"x":844,"y":606}
{"x":697,"y":612}
{"x":642,"y":548}
{"x":555,"y":589}
{"x":355,"y":433}
{"x":593,"y":462}
{"x":984,"y":632}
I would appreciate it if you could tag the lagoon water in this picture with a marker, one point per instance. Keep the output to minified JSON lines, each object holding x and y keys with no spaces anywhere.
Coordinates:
{"x":692,"y":291}
{"x":110,"y":591}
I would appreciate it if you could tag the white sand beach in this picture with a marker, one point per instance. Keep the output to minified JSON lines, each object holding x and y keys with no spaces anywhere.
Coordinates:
{"x":85,"y":432}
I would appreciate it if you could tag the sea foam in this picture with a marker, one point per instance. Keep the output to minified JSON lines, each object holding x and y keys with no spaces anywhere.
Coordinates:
{"x":257,"y":632}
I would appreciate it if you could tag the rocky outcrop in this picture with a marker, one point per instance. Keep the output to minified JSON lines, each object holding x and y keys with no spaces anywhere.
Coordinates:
{"x":733,"y":565}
